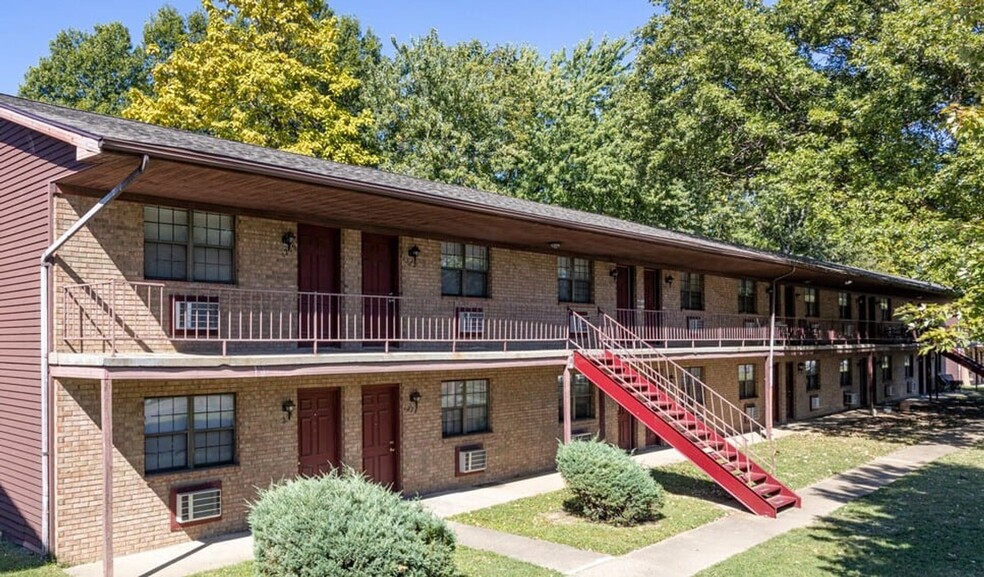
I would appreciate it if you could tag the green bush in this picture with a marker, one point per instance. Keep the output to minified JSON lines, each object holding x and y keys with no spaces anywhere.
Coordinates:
{"x":607,"y":485}
{"x":342,"y":524}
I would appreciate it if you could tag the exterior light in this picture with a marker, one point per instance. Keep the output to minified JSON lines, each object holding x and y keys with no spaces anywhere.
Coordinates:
{"x":413,"y":253}
{"x":554,"y":244}
{"x":288,"y":408}
{"x":290,"y":241}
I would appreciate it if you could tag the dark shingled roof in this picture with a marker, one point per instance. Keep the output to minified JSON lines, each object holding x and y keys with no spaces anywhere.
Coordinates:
{"x":121,"y":134}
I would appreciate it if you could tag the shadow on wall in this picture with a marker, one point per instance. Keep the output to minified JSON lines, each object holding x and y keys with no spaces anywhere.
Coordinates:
{"x":17,"y":530}
{"x":929,"y":523}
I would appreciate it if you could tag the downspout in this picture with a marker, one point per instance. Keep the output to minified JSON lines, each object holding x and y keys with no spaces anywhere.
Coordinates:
{"x":46,"y":330}
{"x":770,"y":362}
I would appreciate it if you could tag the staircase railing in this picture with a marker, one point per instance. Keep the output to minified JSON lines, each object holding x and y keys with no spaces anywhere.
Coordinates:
{"x":687,"y":391}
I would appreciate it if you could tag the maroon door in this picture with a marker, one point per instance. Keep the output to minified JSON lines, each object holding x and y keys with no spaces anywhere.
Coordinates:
{"x":318,"y":282}
{"x":776,"y":409}
{"x":790,"y":392}
{"x":625,"y":296}
{"x":318,"y":430}
{"x":380,"y":282}
{"x":381,"y":434}
{"x":651,"y":302}
{"x":626,"y":430}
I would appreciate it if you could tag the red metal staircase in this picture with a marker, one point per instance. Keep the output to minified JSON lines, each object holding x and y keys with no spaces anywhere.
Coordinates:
{"x":965,"y":361}
{"x":713,"y":433}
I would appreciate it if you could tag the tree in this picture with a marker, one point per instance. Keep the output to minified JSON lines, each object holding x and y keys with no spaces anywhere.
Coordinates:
{"x":266,"y":73}
{"x":89,"y":71}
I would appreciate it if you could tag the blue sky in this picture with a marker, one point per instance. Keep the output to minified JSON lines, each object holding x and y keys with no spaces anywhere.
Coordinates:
{"x":27,"y":26}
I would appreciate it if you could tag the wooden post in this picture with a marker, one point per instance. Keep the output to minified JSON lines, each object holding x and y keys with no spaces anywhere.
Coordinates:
{"x":106,"y":416}
{"x":567,"y":400}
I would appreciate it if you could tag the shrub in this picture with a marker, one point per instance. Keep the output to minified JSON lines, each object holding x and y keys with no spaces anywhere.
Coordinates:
{"x":607,"y":485}
{"x":342,"y":524}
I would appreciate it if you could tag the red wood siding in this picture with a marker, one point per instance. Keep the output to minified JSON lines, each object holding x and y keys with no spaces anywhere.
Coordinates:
{"x":28,"y":162}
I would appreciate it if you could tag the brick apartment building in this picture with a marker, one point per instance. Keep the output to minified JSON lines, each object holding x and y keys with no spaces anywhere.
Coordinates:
{"x":232,"y":315}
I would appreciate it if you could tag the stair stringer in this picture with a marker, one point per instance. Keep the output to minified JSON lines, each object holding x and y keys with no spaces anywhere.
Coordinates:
{"x":727,"y":480}
{"x":965,"y":361}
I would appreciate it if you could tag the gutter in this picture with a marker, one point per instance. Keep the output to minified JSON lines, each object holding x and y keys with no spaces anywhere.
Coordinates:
{"x":46,"y":330}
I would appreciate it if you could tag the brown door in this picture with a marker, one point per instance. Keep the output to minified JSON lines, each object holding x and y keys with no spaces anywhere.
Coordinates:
{"x":625,"y":296}
{"x":776,"y":409}
{"x":626,"y":430}
{"x":318,"y":430}
{"x":381,"y":434}
{"x":318,"y":282}
{"x":789,"y":300}
{"x":380,"y":283}
{"x":790,"y":392}
{"x":651,"y":302}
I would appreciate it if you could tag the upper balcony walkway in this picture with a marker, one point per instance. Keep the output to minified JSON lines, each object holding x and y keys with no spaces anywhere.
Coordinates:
{"x":148,"y":318}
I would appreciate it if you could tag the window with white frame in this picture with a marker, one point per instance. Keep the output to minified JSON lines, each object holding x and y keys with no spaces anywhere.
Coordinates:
{"x":812,"y":370}
{"x":746,"y":382}
{"x":190,"y":245}
{"x":811,"y":301}
{"x":464,"y":407}
{"x":845,"y":373}
{"x":574,"y":280}
{"x":886,"y":367}
{"x":746,"y":296}
{"x":464,"y":270}
{"x":189,"y":432}
{"x":582,"y":397}
{"x":692,"y":291}
{"x":844,"y":305}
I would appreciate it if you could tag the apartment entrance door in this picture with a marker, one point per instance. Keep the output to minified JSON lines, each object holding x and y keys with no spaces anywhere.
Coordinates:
{"x":381,"y":434}
{"x":380,"y":285}
{"x":776,"y":395}
{"x":318,"y":282}
{"x":790,"y":392}
{"x":625,"y":296}
{"x":319,"y":436}
{"x":651,"y":303}
{"x":626,"y":430}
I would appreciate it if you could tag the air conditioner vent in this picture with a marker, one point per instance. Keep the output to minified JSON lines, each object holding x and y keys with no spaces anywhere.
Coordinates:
{"x":814,"y":402}
{"x":850,"y":399}
{"x":471,"y":322}
{"x":752,"y":412}
{"x":582,"y":436}
{"x":472,"y":460}
{"x":199,"y":505}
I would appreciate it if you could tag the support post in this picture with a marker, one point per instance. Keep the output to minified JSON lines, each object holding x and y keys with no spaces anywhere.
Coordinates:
{"x":770,"y":363}
{"x":106,"y":417}
{"x":567,"y":399}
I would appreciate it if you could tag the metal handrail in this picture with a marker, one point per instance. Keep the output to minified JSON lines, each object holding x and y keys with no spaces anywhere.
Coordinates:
{"x":721,"y":416}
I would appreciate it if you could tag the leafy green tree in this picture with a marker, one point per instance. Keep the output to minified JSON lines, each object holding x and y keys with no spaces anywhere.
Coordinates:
{"x":266,"y":73}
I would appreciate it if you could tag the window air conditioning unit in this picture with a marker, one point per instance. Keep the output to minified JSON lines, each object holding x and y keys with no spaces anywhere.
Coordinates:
{"x":910,"y":388}
{"x":582,"y":436}
{"x":752,"y":412}
{"x":472,"y":461}
{"x":199,"y":505}
{"x":850,"y":399}
{"x":889,"y":390}
{"x":471,"y":322}
{"x":814,"y":402}
{"x":191,"y":315}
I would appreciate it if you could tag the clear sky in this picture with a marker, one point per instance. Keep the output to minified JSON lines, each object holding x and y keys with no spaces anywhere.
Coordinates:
{"x":27,"y":26}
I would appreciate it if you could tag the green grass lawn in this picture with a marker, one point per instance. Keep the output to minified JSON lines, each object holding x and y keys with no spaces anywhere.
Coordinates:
{"x":928,"y":523}
{"x":692,"y":498}
{"x":470,"y":563}
{"x":18,"y":562}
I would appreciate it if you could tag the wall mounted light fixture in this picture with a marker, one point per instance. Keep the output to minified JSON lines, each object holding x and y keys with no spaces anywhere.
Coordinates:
{"x":288,"y":408}
{"x":668,"y":280}
{"x":290,"y":241}
{"x":415,"y":397}
{"x":413,"y":253}
{"x":613,"y":273}
{"x":554,"y":244}
{"x":800,"y":367}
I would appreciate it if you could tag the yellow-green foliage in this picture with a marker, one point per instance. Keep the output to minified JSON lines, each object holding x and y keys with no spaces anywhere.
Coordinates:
{"x":265,"y":73}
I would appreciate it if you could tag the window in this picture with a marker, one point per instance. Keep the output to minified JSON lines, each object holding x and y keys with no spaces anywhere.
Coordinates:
{"x":573,"y":280}
{"x":464,"y":407}
{"x":845,"y":373}
{"x":746,"y":381}
{"x":189,"y":432}
{"x":692,"y":291}
{"x":886,"y":368}
{"x":746,"y":296}
{"x":464,"y":270}
{"x":582,"y":397}
{"x":812,"y":303}
{"x":844,"y":305}
{"x":692,"y":380}
{"x":885,"y":306}
{"x":910,"y":364}
{"x":812,"y":371}
{"x":188,"y":245}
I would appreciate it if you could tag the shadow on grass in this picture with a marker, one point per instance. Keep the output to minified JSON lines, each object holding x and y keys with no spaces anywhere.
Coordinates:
{"x":14,"y":558}
{"x":929,"y":523}
{"x":690,"y":482}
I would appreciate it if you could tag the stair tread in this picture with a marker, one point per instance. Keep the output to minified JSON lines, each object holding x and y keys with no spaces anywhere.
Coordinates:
{"x":781,"y":500}
{"x":767,"y":489}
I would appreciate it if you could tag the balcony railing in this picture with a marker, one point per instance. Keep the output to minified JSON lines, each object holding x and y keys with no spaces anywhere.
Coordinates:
{"x":134,"y":317}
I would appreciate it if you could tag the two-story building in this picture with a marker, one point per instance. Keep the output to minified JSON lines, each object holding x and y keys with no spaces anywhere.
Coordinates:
{"x":184,"y":319}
